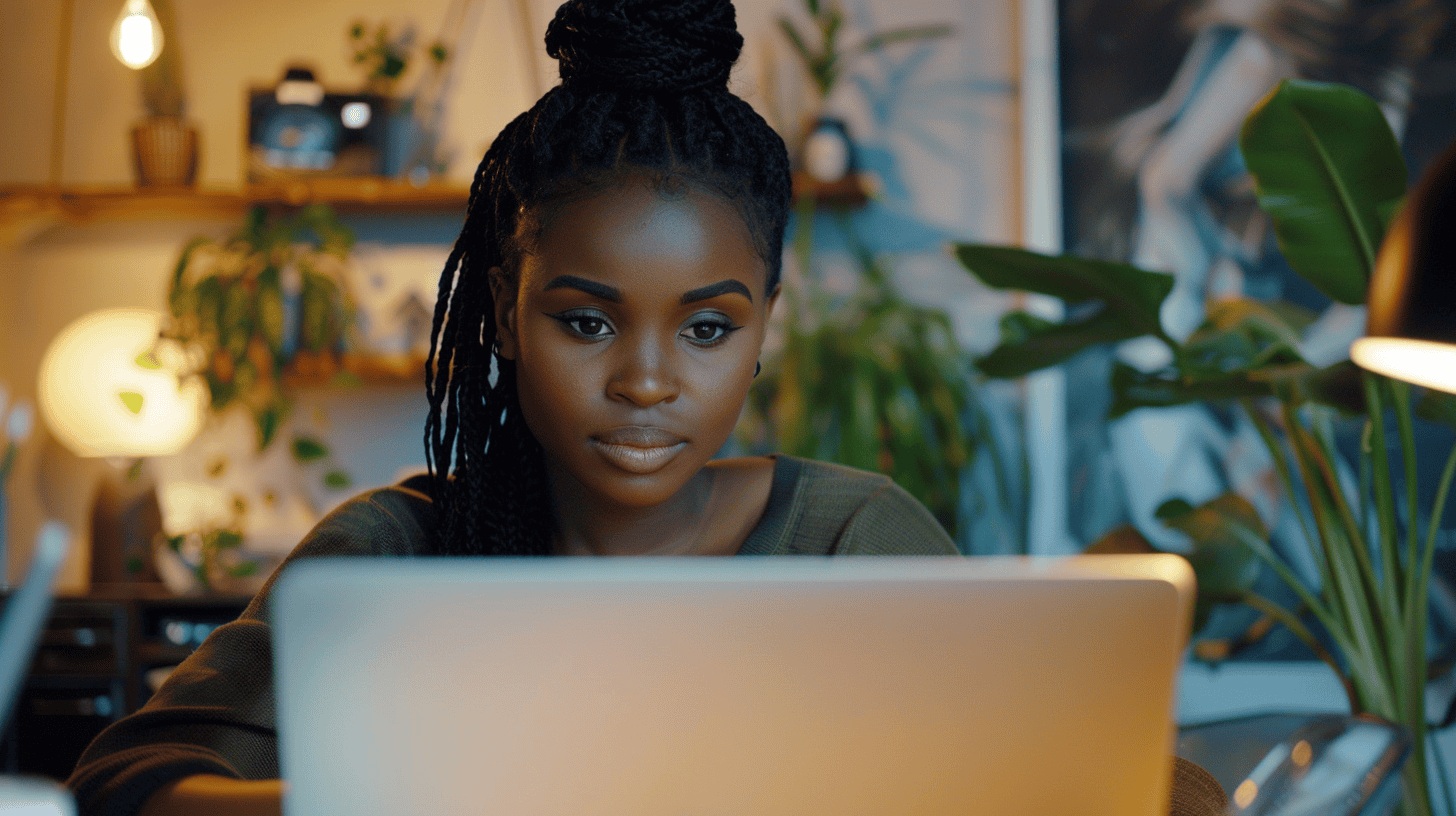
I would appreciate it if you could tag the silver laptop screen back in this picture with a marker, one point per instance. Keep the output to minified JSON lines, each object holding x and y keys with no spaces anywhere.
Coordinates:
{"x":764,"y":687}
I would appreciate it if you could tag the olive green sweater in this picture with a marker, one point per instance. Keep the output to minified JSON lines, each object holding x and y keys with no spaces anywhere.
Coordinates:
{"x":215,"y":714}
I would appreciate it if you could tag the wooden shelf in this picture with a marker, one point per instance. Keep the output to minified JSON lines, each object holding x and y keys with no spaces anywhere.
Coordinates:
{"x":25,"y":210}
{"x":310,"y":370}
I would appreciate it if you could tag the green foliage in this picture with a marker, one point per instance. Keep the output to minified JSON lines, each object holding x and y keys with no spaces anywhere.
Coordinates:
{"x":307,"y":449}
{"x":880,"y":384}
{"x":825,"y":58}
{"x":1329,"y":175}
{"x":385,"y":54}
{"x":227,"y":304}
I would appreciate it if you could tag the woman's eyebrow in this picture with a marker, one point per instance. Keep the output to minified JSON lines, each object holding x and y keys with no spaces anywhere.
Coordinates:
{"x":590,"y":287}
{"x":713,"y":290}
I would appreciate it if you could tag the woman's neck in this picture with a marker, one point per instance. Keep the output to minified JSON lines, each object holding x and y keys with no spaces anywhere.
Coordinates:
{"x":588,"y":526}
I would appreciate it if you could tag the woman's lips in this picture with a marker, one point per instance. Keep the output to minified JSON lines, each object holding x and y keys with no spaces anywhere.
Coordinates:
{"x":639,"y":449}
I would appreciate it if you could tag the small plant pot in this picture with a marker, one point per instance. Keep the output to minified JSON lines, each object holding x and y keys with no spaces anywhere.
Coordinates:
{"x":164,"y":152}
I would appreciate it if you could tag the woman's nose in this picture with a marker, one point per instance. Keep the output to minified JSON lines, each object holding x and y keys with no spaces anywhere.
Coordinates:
{"x":645,"y":375}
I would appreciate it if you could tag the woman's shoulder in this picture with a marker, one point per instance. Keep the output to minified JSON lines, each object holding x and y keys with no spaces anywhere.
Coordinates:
{"x":824,"y":508}
{"x":394,"y":520}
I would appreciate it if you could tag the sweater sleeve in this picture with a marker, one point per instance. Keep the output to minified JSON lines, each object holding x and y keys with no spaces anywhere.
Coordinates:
{"x":892,"y":522}
{"x":215,"y":713}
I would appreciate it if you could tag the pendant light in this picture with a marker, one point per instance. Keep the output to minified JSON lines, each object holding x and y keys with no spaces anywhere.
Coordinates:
{"x":136,"y":37}
{"x":1411,"y":329}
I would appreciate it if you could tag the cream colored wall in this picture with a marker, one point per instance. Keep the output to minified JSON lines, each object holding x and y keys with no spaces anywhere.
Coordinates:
{"x":68,"y":270}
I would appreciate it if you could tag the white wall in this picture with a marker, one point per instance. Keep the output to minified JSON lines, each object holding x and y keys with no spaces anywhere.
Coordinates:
{"x":952,"y":139}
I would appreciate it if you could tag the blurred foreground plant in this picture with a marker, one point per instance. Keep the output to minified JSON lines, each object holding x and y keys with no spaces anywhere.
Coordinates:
{"x":1329,"y":174}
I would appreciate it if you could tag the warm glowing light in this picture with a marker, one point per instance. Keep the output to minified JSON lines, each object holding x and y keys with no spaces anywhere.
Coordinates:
{"x":1244,"y":794}
{"x":136,"y":39}
{"x":1302,"y":753}
{"x":189,"y":507}
{"x":1422,"y":362}
{"x":108,"y":387}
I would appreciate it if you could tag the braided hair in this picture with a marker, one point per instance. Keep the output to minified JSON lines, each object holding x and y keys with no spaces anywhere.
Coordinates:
{"x":643,"y":91}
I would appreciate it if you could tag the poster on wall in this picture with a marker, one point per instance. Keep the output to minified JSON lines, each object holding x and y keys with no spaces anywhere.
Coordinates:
{"x":1153,"y":93}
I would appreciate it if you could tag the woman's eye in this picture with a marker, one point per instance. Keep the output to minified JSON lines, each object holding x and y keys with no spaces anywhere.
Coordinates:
{"x":708,"y":332}
{"x":589,"y":326}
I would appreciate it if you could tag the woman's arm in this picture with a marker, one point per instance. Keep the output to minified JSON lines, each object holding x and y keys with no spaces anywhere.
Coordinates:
{"x":216,"y":796}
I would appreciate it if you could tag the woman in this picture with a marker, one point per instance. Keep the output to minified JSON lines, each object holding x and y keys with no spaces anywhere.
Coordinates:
{"x":597,"y":329}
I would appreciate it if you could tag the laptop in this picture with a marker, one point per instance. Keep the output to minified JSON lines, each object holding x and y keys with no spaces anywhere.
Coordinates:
{"x":729,"y":687}
{"x":21,"y":624}
{"x":25,"y":613}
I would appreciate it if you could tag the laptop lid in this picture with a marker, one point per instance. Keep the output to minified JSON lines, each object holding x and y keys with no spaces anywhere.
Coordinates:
{"x":25,"y":614}
{"x":728,"y":687}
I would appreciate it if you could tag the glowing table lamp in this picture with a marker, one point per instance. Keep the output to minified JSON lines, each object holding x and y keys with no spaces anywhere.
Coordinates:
{"x":109,"y":388}
{"x":1411,"y":328}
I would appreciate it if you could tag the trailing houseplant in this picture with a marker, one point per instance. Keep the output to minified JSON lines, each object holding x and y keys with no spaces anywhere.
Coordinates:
{"x":269,"y":296}
{"x":1328,"y":173}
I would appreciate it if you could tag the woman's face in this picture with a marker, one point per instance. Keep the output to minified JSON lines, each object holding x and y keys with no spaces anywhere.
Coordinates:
{"x":635,"y":328}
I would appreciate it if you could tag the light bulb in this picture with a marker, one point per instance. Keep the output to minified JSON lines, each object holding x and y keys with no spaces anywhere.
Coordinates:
{"x":136,"y":39}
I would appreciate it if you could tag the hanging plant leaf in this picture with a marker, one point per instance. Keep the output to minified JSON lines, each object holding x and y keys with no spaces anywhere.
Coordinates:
{"x":242,"y":569}
{"x":1328,"y":170}
{"x":268,"y":419}
{"x":337,"y":480}
{"x":307,"y":449}
{"x":269,"y":305}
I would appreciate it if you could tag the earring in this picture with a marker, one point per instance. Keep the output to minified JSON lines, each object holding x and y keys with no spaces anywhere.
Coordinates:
{"x":757,"y":367}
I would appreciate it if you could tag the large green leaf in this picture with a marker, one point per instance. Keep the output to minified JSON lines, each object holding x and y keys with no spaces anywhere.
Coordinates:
{"x":1327,"y":169}
{"x":1130,"y":295}
{"x":1029,"y":343}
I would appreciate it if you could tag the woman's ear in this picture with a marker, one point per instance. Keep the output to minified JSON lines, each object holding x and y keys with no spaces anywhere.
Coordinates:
{"x":504,"y":294}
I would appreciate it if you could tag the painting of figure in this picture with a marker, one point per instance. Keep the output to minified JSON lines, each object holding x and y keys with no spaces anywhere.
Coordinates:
{"x":1153,"y":96}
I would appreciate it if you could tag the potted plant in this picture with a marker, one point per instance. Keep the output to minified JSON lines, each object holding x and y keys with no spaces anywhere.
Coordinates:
{"x":256,"y":312}
{"x":1329,"y":174}
{"x":386,"y":53}
{"x":164,"y":145}
{"x":827,"y":151}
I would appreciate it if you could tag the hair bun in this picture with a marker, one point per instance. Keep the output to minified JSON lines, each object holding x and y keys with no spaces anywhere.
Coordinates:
{"x":644,"y":45}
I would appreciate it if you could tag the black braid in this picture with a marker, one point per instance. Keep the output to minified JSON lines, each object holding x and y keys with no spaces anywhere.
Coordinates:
{"x":643,"y":89}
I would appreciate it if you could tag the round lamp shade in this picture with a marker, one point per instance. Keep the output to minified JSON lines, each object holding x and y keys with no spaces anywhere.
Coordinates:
{"x":1411,"y":328}
{"x":108,"y":387}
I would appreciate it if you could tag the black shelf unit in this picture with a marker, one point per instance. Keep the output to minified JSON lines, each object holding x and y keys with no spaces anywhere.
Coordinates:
{"x":90,"y":668}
